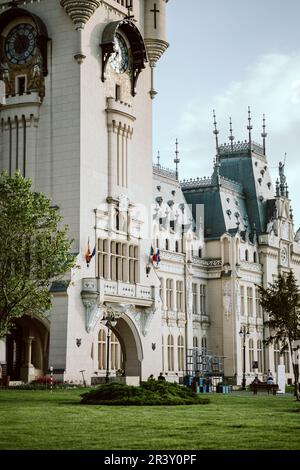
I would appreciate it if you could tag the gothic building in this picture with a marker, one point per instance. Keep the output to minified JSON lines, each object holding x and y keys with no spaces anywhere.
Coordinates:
{"x":162,"y":284}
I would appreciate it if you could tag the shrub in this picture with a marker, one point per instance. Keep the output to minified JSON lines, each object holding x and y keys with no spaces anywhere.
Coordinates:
{"x":149,"y":393}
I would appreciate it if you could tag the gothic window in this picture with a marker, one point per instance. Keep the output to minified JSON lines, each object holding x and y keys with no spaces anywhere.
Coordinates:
{"x":204,"y":344}
{"x":170,"y":353}
{"x":250,"y":301}
{"x":115,"y":353}
{"x":195,"y":342}
{"x":246,"y":255}
{"x":118,"y":261}
{"x":200,"y":253}
{"x":169,"y":292}
{"x":257,"y":303}
{"x":242,"y":300}
{"x":260,"y":355}
{"x":276,"y":355}
{"x":180,"y":353}
{"x":195,"y":299}
{"x":179,"y":296}
{"x":102,"y":350}
{"x":167,"y":244}
{"x":255,"y":257}
{"x":177,"y":246}
{"x":203,"y":299}
{"x":251,"y":353}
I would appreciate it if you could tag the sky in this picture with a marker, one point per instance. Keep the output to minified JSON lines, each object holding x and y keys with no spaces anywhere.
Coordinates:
{"x":227,"y":55}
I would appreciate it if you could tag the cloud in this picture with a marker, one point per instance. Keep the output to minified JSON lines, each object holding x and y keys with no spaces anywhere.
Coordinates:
{"x":270,"y":86}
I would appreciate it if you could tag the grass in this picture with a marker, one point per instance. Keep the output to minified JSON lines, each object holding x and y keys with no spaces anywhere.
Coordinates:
{"x":41,"y":420}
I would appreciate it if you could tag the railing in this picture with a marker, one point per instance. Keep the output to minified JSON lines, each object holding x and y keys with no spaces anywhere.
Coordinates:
{"x":205,"y":182}
{"x":240,"y":147}
{"x":207,"y":263}
{"x":162,"y":171}
{"x":118,"y":288}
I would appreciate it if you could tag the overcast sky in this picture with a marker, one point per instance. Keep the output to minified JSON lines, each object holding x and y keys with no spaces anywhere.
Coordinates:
{"x":227,"y":55}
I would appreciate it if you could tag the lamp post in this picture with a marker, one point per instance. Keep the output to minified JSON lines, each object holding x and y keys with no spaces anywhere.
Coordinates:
{"x":244,"y":332}
{"x":110,"y":322}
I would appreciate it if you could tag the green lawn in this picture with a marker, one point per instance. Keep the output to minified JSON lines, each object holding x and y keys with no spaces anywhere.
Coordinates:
{"x":41,"y":420}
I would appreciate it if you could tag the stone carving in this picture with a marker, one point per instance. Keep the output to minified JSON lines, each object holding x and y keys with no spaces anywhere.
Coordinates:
{"x":80,"y":11}
{"x":93,"y":313}
{"x":144,"y":318}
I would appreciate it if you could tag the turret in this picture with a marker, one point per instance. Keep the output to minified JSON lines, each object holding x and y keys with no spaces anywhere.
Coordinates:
{"x":155,"y":34}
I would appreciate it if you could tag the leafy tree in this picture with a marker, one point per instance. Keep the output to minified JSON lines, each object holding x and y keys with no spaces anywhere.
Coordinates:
{"x":33,"y":250}
{"x":281,"y":300}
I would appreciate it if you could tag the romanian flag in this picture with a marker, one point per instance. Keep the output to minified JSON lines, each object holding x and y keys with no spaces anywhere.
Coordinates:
{"x":88,"y":254}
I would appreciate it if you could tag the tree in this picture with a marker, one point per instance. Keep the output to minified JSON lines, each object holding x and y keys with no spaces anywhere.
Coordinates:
{"x":281,"y":301}
{"x":33,"y":250}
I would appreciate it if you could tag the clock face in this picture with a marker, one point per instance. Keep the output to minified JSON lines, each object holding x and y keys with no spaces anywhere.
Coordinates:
{"x":20,"y":44}
{"x":283,"y":255}
{"x":120,"y":59}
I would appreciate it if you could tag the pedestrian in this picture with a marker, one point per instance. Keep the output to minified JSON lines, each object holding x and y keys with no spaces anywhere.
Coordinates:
{"x":270,"y":379}
{"x":151,"y":378}
{"x":161,"y":377}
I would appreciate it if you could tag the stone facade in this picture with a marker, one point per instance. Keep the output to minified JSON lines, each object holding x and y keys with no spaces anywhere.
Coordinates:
{"x":77,"y":119}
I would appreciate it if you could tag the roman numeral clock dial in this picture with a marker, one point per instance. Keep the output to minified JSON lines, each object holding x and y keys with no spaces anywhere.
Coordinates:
{"x":20,"y":44}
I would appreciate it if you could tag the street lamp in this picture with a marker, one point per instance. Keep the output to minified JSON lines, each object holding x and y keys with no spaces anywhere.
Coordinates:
{"x":244,"y":332}
{"x":110,"y":322}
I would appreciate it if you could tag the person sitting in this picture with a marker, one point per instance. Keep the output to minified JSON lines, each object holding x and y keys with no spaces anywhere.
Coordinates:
{"x":161,"y":377}
{"x":151,"y":378}
{"x":256,"y":380}
{"x":270,"y":379}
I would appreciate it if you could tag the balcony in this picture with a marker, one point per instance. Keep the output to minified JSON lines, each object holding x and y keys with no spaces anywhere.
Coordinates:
{"x":117,"y":291}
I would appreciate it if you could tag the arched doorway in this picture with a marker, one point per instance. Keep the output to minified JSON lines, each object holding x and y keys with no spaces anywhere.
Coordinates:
{"x":130,"y":341}
{"x":27,"y":349}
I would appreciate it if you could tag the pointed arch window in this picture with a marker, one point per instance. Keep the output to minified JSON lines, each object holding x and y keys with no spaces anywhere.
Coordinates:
{"x":102,"y":350}
{"x":170,"y":353}
{"x":180,"y":353}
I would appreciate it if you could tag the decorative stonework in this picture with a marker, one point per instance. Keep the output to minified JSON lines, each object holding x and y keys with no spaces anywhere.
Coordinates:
{"x":155,"y":49}
{"x":80,"y":11}
{"x":227,"y":301}
{"x":143,"y":319}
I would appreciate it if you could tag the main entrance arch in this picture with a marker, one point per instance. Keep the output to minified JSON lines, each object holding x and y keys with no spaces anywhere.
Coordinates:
{"x":128,"y":336}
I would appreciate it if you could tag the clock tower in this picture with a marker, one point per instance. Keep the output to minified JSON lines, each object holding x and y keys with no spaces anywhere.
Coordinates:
{"x":77,"y":119}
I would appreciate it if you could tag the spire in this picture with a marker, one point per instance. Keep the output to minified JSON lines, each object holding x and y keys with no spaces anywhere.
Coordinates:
{"x":249,"y":127}
{"x":264,"y":133}
{"x":158,"y":159}
{"x":231,"y":137}
{"x":176,"y":159}
{"x":216,"y":132}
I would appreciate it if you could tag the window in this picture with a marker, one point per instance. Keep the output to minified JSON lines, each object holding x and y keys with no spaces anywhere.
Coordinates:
{"x":195,"y":342}
{"x":118,"y":261}
{"x":251,"y":354}
{"x":21,"y":85}
{"x":246,"y":255}
{"x":204,"y":344}
{"x":203,"y":299}
{"x":170,"y":353}
{"x":180,"y":353}
{"x":102,"y":350}
{"x":179,"y":296}
{"x":118,"y":93}
{"x":169,"y":292}
{"x":260,"y":355}
{"x":161,"y":289}
{"x":177,"y":246}
{"x":276,"y":355}
{"x":195,"y":298}
{"x":115,"y":353}
{"x":254,"y":257}
{"x":250,"y":301}
{"x":200,"y":253}
{"x":257,"y":303}
{"x":242,"y":300}
{"x":167,"y":244}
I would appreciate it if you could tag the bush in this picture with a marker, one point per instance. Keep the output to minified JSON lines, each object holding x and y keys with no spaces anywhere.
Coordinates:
{"x":149,"y":394}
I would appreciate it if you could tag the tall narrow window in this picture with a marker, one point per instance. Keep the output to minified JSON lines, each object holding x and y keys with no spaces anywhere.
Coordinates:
{"x":169,"y":292}
{"x":180,"y":353}
{"x":161,"y":289}
{"x":260,"y":355}
{"x":195,"y":298}
{"x":102,"y":350}
{"x":246,"y":255}
{"x":195,"y":342}
{"x":177,"y":246}
{"x":21,"y":85}
{"x":118,"y":93}
{"x":242,"y":300}
{"x":170,"y":353}
{"x":167,"y":244}
{"x":179,"y":296}
{"x":257,"y":304}
{"x":115,"y":353}
{"x":251,"y":353}
{"x":250,"y":301}
{"x":204,"y":344}
{"x":203,"y":299}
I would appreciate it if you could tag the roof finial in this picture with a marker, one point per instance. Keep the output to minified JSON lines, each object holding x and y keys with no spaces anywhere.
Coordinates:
{"x":264,"y":133}
{"x":216,"y":132}
{"x":176,"y":159}
{"x":158,"y":159}
{"x":249,"y":127}
{"x":231,"y":137}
